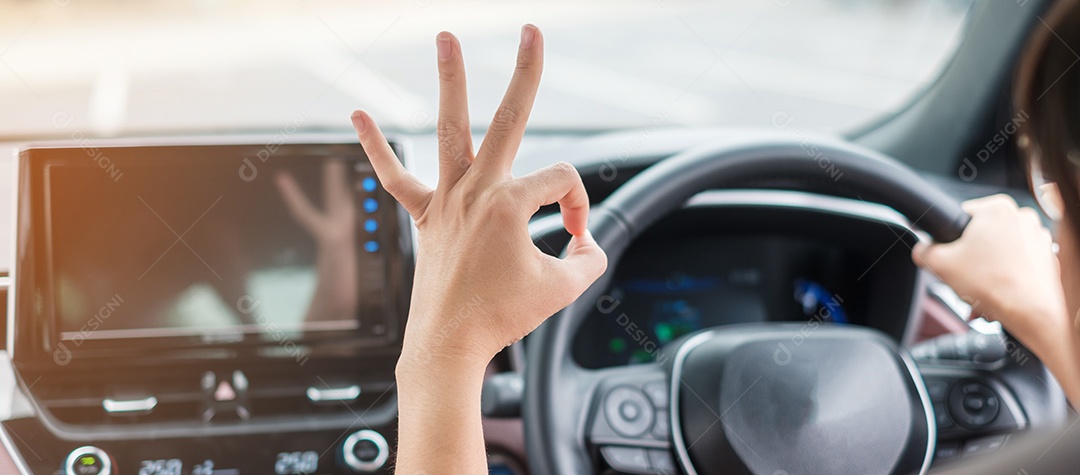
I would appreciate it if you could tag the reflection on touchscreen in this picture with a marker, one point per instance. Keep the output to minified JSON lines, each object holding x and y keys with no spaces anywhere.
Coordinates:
{"x":194,"y":252}
{"x":334,"y":231}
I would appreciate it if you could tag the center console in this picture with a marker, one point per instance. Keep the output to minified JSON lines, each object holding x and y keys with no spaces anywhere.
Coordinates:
{"x":205,"y":309}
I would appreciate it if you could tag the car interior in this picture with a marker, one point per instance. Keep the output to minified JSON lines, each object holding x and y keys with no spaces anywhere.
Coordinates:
{"x":758,"y":171}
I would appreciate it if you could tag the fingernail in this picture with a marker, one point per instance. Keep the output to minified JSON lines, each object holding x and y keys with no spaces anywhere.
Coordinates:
{"x":442,"y":42}
{"x":358,"y":121}
{"x":528,"y":33}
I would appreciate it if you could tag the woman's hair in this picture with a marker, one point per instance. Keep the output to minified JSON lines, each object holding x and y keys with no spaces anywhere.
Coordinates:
{"x":1047,"y":88}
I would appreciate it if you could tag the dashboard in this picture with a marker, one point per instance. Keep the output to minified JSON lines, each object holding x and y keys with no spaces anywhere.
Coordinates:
{"x":134,"y":388}
{"x":675,"y":288}
{"x":751,"y":257}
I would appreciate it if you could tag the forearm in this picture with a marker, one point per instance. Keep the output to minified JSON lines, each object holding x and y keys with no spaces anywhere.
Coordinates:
{"x":336,"y":276}
{"x":439,"y":415}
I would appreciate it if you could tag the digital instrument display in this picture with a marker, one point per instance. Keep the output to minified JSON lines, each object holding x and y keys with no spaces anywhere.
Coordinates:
{"x":662,"y":292}
{"x":217,"y":244}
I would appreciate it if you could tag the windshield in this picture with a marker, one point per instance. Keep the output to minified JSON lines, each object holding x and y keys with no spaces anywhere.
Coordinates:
{"x":111,"y":67}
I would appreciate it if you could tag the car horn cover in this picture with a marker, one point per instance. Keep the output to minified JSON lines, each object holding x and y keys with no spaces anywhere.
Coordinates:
{"x":784,"y":400}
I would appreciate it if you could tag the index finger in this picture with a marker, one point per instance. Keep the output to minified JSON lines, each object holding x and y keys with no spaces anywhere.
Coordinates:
{"x":406,"y":188}
{"x":558,"y":183}
{"x":504,"y":135}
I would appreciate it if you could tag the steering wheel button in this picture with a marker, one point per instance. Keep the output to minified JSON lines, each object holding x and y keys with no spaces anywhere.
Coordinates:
{"x":942,"y":418}
{"x":661,"y":462}
{"x":974,"y":402}
{"x":946,"y":451}
{"x":627,"y":459}
{"x":658,"y":393}
{"x":984,"y":445}
{"x":661,"y":429}
{"x":937,"y":389}
{"x":628,"y":411}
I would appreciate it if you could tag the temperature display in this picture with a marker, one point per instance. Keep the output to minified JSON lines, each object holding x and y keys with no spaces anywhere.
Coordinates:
{"x":296,"y":463}
{"x":161,"y":467}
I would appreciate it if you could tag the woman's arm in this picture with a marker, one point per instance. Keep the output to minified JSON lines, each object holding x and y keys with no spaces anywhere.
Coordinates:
{"x":1004,"y":266}
{"x":334,"y":230}
{"x":481,"y":284}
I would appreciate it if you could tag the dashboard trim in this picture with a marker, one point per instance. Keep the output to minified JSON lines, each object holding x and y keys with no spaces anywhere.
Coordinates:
{"x":798,"y":199}
{"x":13,"y":252}
{"x":15,"y":456}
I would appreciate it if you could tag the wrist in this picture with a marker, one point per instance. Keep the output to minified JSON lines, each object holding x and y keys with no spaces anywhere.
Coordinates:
{"x":420,"y":361}
{"x":447,"y":342}
{"x":1035,"y":320}
{"x":431,"y":381}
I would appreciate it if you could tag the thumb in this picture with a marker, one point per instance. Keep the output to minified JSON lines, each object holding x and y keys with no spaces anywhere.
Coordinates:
{"x":921,"y":253}
{"x":585,"y":261}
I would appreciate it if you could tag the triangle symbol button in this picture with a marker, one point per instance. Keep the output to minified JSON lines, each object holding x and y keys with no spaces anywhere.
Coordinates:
{"x":224,"y":392}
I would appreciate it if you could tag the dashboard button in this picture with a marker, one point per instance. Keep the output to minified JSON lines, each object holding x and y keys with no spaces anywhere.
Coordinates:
{"x":628,"y":411}
{"x":87,"y":460}
{"x":365,"y":451}
{"x":627,"y":459}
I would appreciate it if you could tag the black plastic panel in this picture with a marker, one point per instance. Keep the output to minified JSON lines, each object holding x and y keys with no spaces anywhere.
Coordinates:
{"x":261,"y":454}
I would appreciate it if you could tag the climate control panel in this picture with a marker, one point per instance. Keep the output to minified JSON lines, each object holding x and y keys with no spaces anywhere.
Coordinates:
{"x":340,"y":451}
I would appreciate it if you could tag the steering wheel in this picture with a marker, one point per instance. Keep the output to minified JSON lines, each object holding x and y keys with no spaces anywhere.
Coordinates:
{"x":745,"y":398}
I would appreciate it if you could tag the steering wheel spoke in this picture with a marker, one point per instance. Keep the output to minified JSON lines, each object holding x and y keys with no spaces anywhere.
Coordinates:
{"x":629,"y":421}
{"x":974,"y":411}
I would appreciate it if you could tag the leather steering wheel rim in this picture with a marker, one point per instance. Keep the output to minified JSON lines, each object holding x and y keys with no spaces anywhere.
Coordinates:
{"x":555,"y":394}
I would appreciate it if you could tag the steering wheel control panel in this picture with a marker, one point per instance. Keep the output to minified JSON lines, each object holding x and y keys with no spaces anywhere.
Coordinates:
{"x":975,"y":413}
{"x":632,"y":427}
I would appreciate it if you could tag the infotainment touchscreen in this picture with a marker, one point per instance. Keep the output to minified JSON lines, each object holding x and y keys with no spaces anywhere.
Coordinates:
{"x":214,"y":244}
